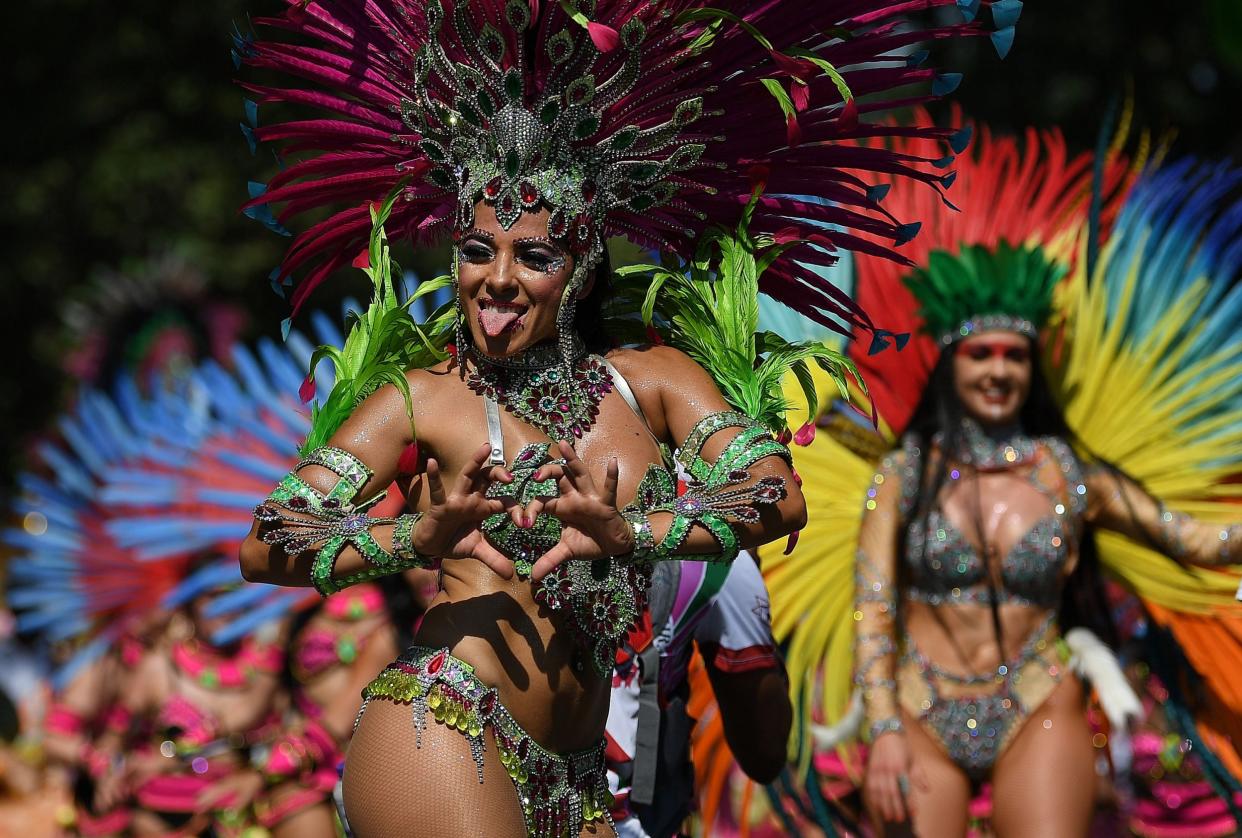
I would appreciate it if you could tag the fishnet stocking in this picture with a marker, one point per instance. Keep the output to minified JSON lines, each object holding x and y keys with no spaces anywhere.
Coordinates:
{"x":393,"y":788}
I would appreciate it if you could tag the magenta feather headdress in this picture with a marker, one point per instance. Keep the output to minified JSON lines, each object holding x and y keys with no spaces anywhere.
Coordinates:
{"x":642,"y":119}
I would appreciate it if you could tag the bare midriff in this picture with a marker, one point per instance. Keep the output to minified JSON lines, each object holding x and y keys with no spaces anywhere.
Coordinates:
{"x":524,"y":650}
{"x":961,"y":638}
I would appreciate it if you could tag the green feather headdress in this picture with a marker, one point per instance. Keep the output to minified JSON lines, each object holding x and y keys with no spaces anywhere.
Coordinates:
{"x":709,"y":309}
{"x":383,"y":342}
{"x":981,"y":288}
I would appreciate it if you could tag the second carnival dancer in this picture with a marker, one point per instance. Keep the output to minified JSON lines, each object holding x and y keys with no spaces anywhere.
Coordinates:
{"x":977,"y":566}
{"x":542,"y":483}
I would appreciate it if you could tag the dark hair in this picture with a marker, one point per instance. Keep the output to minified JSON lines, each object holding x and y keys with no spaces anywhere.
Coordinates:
{"x":589,"y":318}
{"x":1083,"y":601}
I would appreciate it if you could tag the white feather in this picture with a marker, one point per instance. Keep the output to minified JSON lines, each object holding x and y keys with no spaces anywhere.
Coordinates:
{"x":1093,"y":661}
{"x":828,"y":737}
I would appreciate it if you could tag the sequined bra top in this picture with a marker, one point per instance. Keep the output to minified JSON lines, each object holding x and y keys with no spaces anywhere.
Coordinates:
{"x":942,"y":565}
{"x":606,"y":597}
{"x":603,"y":598}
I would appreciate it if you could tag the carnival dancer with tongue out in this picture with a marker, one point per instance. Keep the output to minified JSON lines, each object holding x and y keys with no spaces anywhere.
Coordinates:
{"x":542,"y":482}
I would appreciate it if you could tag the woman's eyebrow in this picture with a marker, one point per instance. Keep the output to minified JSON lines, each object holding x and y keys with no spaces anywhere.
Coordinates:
{"x":543,"y":240}
{"x":481,"y":234}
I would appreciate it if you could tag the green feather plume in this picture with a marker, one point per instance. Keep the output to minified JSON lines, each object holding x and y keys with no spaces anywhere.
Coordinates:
{"x":383,"y":342}
{"x":979,"y":280}
{"x":709,"y":309}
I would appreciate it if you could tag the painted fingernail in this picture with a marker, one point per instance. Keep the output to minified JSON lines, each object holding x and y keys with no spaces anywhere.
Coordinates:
{"x":526,"y":522}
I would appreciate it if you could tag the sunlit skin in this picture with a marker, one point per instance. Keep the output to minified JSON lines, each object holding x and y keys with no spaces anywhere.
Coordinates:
{"x":992,"y":380}
{"x":511,"y":283}
{"x":992,"y":376}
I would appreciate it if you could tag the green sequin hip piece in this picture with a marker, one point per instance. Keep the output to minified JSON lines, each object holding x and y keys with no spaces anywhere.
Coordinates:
{"x":558,"y":793}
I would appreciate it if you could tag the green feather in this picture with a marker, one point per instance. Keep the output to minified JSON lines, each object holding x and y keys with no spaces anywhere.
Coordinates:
{"x":978,"y":281}
{"x":383,"y":342}
{"x":709,"y":309}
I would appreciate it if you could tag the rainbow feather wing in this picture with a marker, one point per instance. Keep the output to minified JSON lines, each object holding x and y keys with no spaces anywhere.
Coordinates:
{"x":142,"y":485}
{"x":1152,"y":376}
{"x":1152,"y":381}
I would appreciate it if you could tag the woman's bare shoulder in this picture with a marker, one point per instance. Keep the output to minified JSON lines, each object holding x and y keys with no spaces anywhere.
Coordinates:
{"x":654,"y":363}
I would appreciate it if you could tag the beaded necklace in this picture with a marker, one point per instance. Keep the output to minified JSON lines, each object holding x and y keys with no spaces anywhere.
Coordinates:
{"x":539,"y":387}
{"x":993,"y":449}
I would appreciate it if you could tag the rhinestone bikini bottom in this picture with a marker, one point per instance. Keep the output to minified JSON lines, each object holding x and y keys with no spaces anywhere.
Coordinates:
{"x":558,"y":793}
{"x":974,"y":717}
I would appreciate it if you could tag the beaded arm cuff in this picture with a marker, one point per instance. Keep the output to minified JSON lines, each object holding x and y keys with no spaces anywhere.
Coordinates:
{"x":304,"y":518}
{"x":875,"y":599}
{"x":715,"y":496}
{"x":1183,"y":537}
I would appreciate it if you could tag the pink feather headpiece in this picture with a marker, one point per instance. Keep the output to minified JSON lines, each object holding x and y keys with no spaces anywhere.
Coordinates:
{"x":633,"y":118}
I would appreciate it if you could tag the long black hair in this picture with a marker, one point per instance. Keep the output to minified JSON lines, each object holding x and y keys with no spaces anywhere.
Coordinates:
{"x":940,"y":411}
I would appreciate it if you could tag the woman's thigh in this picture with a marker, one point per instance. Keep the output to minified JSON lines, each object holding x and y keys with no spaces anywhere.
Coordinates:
{"x":1044,"y":782}
{"x":940,"y":809}
{"x":395,"y":788}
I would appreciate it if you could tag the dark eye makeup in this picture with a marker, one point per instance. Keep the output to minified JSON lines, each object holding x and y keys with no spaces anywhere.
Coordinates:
{"x":536,"y":252}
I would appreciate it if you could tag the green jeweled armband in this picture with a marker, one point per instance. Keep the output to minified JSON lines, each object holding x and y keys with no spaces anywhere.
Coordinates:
{"x":301,"y":517}
{"x":715,"y":497}
{"x":644,"y":540}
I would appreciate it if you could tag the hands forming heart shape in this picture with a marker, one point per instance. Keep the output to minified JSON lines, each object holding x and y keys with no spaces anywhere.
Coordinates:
{"x":460,"y":521}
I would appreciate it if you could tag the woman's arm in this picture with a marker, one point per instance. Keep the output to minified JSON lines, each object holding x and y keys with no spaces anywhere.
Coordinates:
{"x":754,"y":476}
{"x":373,"y":437}
{"x":875,"y":601}
{"x":313,"y":528}
{"x":1117,"y":503}
{"x":889,"y":766}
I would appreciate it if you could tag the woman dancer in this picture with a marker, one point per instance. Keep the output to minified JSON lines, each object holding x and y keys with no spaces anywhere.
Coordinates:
{"x":541,"y":479}
{"x":977,"y":551}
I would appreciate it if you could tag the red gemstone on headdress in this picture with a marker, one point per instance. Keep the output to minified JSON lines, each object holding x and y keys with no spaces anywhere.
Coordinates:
{"x":297,"y":502}
{"x":536,"y":158}
{"x":507,"y":203}
{"x":588,"y":190}
{"x":557,"y":225}
{"x":529,"y":192}
{"x":492,"y":189}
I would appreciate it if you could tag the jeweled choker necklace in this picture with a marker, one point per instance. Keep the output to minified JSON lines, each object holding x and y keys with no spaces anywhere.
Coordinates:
{"x":992,"y":449}
{"x":539,"y":387}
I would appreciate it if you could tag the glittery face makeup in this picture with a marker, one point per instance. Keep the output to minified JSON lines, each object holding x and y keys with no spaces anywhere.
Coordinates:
{"x":992,"y":375}
{"x":511,"y":282}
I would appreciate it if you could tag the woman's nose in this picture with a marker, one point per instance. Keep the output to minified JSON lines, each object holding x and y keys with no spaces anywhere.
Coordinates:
{"x":502,"y":275}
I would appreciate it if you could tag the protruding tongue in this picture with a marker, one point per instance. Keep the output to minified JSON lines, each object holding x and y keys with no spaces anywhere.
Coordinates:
{"x":496,"y":321}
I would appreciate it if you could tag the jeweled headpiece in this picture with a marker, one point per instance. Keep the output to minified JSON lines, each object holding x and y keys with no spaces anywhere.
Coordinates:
{"x":641,"y":118}
{"x":980,"y":289}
